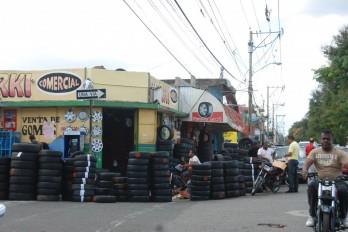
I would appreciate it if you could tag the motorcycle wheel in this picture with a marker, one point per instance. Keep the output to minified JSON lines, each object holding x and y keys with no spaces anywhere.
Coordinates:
{"x":326,"y":225}
{"x":275,"y":186}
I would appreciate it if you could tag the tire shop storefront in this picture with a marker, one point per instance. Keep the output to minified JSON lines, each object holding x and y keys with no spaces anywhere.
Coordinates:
{"x":43,"y":103}
{"x":208,"y":119}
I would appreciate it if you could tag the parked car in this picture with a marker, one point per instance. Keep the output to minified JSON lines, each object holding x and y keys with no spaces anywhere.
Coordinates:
{"x":301,"y":159}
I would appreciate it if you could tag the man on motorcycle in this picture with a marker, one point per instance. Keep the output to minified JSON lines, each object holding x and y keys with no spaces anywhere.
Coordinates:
{"x":328,"y":161}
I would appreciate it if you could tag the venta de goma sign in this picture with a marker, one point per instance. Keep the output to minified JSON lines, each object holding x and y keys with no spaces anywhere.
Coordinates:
{"x":59,"y":83}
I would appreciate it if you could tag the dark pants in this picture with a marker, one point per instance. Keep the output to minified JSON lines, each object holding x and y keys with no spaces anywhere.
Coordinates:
{"x":342,"y":191}
{"x":292,"y":175}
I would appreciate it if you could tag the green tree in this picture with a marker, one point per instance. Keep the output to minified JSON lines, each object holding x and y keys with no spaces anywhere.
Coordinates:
{"x":328,"y":107}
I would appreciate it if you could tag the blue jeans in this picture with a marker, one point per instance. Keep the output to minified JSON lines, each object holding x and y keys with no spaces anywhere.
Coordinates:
{"x":292,"y":175}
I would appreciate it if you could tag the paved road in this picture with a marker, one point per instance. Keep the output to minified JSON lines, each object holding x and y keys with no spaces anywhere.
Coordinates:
{"x":232,"y":215}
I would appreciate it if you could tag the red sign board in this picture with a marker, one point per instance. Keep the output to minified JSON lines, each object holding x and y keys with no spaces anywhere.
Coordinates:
{"x":214,"y":117}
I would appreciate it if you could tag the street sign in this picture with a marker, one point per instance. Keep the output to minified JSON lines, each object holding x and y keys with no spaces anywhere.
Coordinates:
{"x":90,"y":94}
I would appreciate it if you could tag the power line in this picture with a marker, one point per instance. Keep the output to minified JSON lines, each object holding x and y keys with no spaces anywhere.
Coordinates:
{"x":205,"y":45}
{"x":165,"y":47}
{"x":153,"y":5}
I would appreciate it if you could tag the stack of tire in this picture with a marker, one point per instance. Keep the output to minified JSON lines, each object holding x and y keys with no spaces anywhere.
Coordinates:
{"x":200,"y":182}
{"x":104,"y":191}
{"x":242,"y":186}
{"x":23,"y":172}
{"x":68,"y":167}
{"x":83,"y":186}
{"x":247,"y":172}
{"x":231,"y":178}
{"x":4,"y":177}
{"x":165,"y":144}
{"x":182,"y":149}
{"x":217,"y":180}
{"x":160,"y":179}
{"x":138,"y":176}
{"x":120,"y":188}
{"x":49,"y":181}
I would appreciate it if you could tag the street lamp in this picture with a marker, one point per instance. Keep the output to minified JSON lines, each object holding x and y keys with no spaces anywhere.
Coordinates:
{"x":273,"y":130}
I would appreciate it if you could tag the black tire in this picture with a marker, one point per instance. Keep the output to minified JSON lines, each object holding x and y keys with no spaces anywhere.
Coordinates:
{"x":218,"y":195}
{"x":201,"y":172}
{"x":83,"y":192}
{"x":119,"y":180}
{"x":85,"y":164}
{"x":104,"y":183}
{"x":232,"y":186}
{"x":217,"y":164}
{"x":161,"y":192}
{"x":139,"y":198}
{"x":217,"y":172}
{"x":22,"y":172}
{"x":48,"y":197}
{"x":4,"y":170}
{"x":48,"y":172}
{"x":49,"y":159}
{"x":123,"y":186}
{"x":22,"y":188}
{"x":22,"y":180}
{"x":159,"y":180}
{"x":51,"y":179}
{"x":199,"y":198}
{"x":159,"y":161}
{"x":83,"y":187}
{"x":21,"y":196}
{"x":83,"y":175}
{"x":160,"y":167}
{"x":84,"y":169}
{"x":4,"y":177}
{"x":170,"y":136}
{"x":141,"y":180}
{"x":138,"y":192}
{"x":326,"y":227}
{"x":108,"y":175}
{"x":231,"y":164}
{"x":133,"y":174}
{"x":5,"y":161}
{"x":133,"y":161}
{"x":21,"y":164}
{"x":26,"y":147}
{"x":201,"y":178}
{"x":257,"y":185}
{"x":200,"y":188}
{"x":165,"y":173}
{"x":139,"y":155}
{"x":52,"y":166}
{"x":104,"y":199}
{"x":43,"y":191}
{"x":49,"y":153}
{"x":160,"y":154}
{"x":205,"y":166}
{"x":26,"y":156}
{"x":200,"y":183}
{"x":161,"y":198}
{"x":232,"y":172}
{"x":136,"y":168}
{"x":87,"y":158}
{"x":48,"y":185}
{"x":83,"y":181}
{"x":218,"y":188}
{"x":217,"y":180}
{"x":161,"y":186}
{"x":138,"y":186}
{"x":82,"y":199}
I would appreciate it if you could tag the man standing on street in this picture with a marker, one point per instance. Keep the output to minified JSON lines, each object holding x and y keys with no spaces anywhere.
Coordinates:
{"x":293,"y":153}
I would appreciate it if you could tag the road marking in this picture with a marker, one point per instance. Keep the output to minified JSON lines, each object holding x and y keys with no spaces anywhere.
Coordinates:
{"x":298,"y":213}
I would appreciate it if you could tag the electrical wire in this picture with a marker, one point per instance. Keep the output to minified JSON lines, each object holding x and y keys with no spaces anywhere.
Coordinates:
{"x":163,"y":45}
{"x":164,"y":19}
{"x":205,"y":45}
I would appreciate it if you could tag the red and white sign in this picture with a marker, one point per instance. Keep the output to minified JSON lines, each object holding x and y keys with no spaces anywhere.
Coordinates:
{"x":214,"y":117}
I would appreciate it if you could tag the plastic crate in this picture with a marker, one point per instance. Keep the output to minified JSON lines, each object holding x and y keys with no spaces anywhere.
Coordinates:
{"x":7,"y":138}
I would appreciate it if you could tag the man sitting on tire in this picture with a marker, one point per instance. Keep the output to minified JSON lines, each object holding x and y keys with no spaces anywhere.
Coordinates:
{"x":328,"y":161}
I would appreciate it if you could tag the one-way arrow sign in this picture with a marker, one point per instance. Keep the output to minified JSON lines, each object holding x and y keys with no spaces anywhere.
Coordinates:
{"x":91,"y":94}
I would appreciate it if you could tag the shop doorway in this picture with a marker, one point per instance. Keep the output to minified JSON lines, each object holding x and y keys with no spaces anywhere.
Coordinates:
{"x":118,"y":138}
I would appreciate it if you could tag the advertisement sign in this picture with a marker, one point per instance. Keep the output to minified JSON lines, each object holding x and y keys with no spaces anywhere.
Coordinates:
{"x":164,"y":94}
{"x":214,"y":117}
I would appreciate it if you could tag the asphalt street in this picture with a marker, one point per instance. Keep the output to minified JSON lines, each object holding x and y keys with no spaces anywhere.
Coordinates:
{"x":262,"y":212}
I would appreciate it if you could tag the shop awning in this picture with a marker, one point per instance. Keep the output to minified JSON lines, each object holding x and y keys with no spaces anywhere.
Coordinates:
{"x":203,"y":107}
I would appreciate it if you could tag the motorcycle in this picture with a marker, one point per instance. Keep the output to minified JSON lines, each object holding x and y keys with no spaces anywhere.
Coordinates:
{"x":328,"y":213}
{"x":269,"y":176}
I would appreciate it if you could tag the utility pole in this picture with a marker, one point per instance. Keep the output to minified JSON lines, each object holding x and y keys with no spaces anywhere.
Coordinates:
{"x":268,"y":116}
{"x":250,"y":87}
{"x":276,"y":128}
{"x":273,"y":129}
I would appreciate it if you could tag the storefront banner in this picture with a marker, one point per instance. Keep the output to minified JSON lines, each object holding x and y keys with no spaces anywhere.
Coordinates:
{"x":163,"y":94}
{"x":214,"y":117}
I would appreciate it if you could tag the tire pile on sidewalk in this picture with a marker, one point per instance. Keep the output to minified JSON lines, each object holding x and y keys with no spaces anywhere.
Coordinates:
{"x":200,"y":182}
{"x":104,"y":191}
{"x":68,"y":167}
{"x":49,"y":181}
{"x":83,"y":185}
{"x":23,"y":171}
{"x":5,"y":163}
{"x":120,"y":188}
{"x":231,"y":177}
{"x":160,"y":179}
{"x":217,"y":180}
{"x":138,"y":176}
